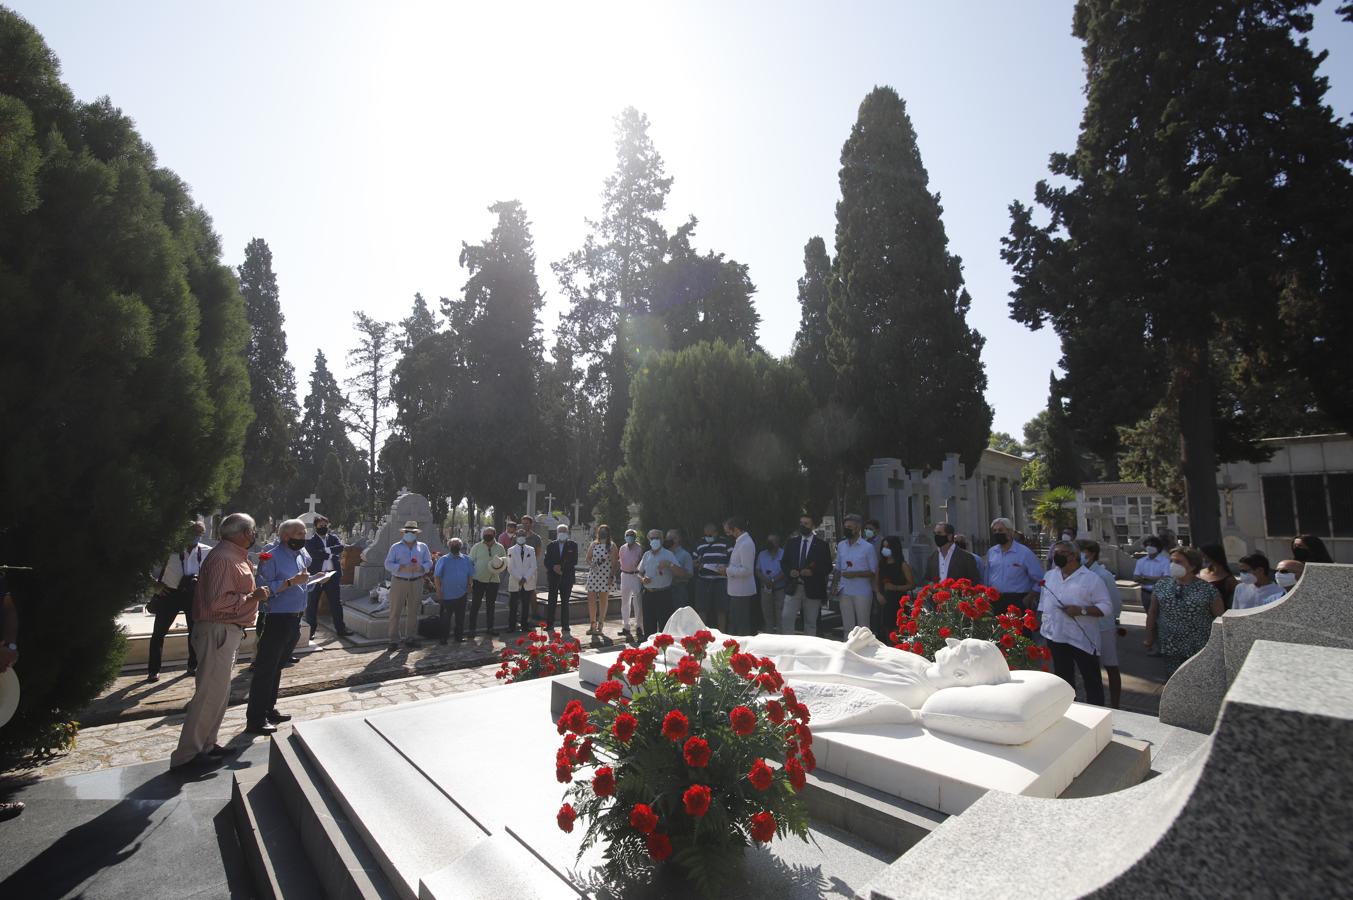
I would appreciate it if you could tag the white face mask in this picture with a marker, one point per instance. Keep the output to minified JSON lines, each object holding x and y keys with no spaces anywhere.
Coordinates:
{"x":1246,"y":578}
{"x":1285,"y":579}
{"x":563,"y":535}
{"x":1177,"y":571}
{"x":655,"y":544}
{"x":887,"y":552}
{"x":520,"y":540}
{"x":1152,"y":551}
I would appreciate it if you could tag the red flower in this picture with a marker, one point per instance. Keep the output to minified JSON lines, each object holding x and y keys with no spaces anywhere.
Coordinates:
{"x":761,"y":776}
{"x":704,"y":636}
{"x":643,"y":818}
{"x":743,"y":720}
{"x":624,"y":726}
{"x":603,"y":782}
{"x":687,"y":671}
{"x":742,"y":663}
{"x":659,"y":846}
{"x":675,"y":725}
{"x":730,"y":644}
{"x":945,"y":631}
{"x":263,"y":556}
{"x":615,"y":670}
{"x":563,"y":773}
{"x":763,"y":827}
{"x":1007,"y":641}
{"x":574,"y":719}
{"x":809,"y":760}
{"x":941,"y":597}
{"x":775,"y":712}
{"x":790,"y":697}
{"x":663,"y":641}
{"x":696,"y":800}
{"x":565,"y":817}
{"x":636,"y":674}
{"x":797,"y":776}
{"x":696,"y":752}
{"x":690,"y":645}
{"x":584,"y":754}
{"x":609,"y":690}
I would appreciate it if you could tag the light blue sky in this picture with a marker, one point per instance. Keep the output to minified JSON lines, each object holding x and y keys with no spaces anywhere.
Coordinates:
{"x":364,"y":142}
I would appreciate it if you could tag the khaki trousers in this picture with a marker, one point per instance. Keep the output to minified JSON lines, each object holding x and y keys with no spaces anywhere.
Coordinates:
{"x":215,"y":643}
{"x":406,"y":597}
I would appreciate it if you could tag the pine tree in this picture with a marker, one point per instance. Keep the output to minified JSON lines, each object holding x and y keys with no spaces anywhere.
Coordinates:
{"x":1207,"y":199}
{"x":269,"y":458}
{"x":323,"y":432}
{"x":421,"y":323}
{"x":898,"y":307}
{"x":699,"y":298}
{"x":372,"y":361}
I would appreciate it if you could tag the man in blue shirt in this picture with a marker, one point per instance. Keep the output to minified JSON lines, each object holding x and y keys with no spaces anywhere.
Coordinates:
{"x":1012,"y":569}
{"x":452,"y":577}
{"x":657,"y":568}
{"x":284,"y":568}
{"x":407,"y":561}
{"x":681,"y":584}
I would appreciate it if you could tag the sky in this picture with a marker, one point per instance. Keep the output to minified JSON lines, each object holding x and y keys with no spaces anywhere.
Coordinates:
{"x":365,"y":142}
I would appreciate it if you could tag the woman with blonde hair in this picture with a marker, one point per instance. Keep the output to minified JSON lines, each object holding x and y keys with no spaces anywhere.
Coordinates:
{"x":603,"y":560}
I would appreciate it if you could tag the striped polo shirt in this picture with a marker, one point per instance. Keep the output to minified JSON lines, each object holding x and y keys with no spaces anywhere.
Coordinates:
{"x":711,"y":552}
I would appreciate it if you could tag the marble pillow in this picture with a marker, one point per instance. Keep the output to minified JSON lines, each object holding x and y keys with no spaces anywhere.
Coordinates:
{"x":1012,"y":713}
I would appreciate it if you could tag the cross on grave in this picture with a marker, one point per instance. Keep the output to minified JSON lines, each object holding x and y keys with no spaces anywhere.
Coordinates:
{"x":549,"y":504}
{"x":1229,"y":487}
{"x":533,"y":489}
{"x":312,"y":501}
{"x":577,"y":505}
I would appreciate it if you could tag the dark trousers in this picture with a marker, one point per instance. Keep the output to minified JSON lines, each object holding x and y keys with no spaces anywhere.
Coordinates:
{"x":561,"y":590}
{"x":329,"y":589}
{"x":711,"y":596}
{"x":520,"y":606}
{"x":455,"y":608}
{"x":657,"y":608}
{"x":883,"y":616}
{"x":740,"y":613}
{"x":483,"y":592}
{"x":1067,"y":658}
{"x":171,"y":605}
{"x":280,"y":633}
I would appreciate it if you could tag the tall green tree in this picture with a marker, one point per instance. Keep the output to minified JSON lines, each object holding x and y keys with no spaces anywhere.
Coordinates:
{"x":126,"y":395}
{"x":1208,"y":199}
{"x":721,"y":446}
{"x":497,"y":328}
{"x":425,"y":451}
{"x":898,"y":308}
{"x":701,"y":297}
{"x":322,"y":433}
{"x":421,"y":323}
{"x":608,"y":281}
{"x":372,"y":360}
{"x":266,"y":490}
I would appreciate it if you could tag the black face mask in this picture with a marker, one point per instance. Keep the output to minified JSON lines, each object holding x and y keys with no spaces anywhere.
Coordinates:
{"x":941,"y":539}
{"x":1059,"y":560}
{"x":1301,"y":554}
{"x":805,"y":530}
{"x":488,"y":538}
{"x":322,"y":530}
{"x":999,"y":537}
{"x":296,"y":543}
{"x":850,"y":532}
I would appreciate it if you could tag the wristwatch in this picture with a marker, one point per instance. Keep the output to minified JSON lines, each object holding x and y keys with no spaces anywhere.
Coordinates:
{"x":12,"y":648}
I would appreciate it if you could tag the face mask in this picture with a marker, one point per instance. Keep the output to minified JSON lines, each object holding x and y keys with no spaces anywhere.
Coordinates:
{"x":869,"y":533}
{"x":409,"y":538}
{"x":603,"y":534}
{"x":520,"y":540}
{"x":941,"y":539}
{"x":1301,"y":554}
{"x":455,"y":549}
{"x":563,"y":535}
{"x":887,"y":552}
{"x":999,"y":538}
{"x":850,"y":532}
{"x":1177,"y":571}
{"x":1247,"y":578}
{"x":655,"y":544}
{"x":1085,"y":560}
{"x":488,"y":538}
{"x":805,"y":530}
{"x":1152,"y":551}
{"x":1066,"y":535}
{"x":194,"y":541}
{"x":1285,"y":579}
{"x":296,"y":543}
{"x":630,"y":539}
{"x":1059,"y":560}
{"x":322,"y":530}
{"x":709,"y":535}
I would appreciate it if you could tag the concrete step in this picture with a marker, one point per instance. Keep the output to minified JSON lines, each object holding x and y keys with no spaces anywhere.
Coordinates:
{"x":271,"y":843}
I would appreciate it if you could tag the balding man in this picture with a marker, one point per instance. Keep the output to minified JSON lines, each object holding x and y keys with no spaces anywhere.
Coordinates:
{"x":284,"y":568}
{"x":224,"y":604}
{"x":1012,"y":569}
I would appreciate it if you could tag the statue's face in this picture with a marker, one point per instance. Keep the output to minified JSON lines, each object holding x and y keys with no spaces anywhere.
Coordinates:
{"x":969,"y":661}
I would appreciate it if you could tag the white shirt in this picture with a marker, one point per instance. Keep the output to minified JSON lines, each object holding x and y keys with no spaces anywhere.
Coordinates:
{"x":858,"y":557}
{"x":1081,"y":588}
{"x":175,"y":570}
{"x":946,"y":558}
{"x":1248,"y":596}
{"x":1152,"y":567}
{"x":521,"y":563}
{"x":1109,"y":623}
{"x":742,"y":567}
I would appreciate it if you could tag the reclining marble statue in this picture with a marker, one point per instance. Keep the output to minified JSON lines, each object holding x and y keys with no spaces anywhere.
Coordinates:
{"x":968,"y":690}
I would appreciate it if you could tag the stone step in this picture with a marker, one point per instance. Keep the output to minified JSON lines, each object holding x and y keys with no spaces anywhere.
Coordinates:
{"x":272,"y":844}
{"x":498,"y":866}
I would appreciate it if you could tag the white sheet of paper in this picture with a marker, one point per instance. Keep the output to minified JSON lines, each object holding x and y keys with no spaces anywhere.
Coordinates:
{"x":319,"y":579}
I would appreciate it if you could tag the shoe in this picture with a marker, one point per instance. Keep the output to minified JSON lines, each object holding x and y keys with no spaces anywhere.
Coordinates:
{"x":394,"y":646}
{"x":151,"y":679}
{"x":218,"y":751}
{"x":277,"y":718}
{"x":346,"y":632}
{"x":459,"y":640}
{"x":260,"y":728}
{"x":10,"y":809}
{"x":191,"y":672}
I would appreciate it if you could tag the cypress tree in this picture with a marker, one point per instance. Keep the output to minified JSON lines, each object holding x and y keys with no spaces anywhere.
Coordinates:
{"x":323,"y":433}
{"x":910,"y":367}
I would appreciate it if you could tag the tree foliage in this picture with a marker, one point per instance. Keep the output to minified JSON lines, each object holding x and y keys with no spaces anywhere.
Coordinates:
{"x":126,"y":392}
{"x":372,"y":361}
{"x":1208,"y":202}
{"x":323,"y":433}
{"x":898,"y":307}
{"x":719,"y":445}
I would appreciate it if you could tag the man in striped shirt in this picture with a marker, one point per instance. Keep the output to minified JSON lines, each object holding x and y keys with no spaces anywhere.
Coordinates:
{"x":224,"y":604}
{"x":711,"y":584}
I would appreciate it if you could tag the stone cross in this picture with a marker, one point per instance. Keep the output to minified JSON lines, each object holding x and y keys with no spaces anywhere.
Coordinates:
{"x":533,"y":489}
{"x":549,"y":504}
{"x":577,"y":505}
{"x":312,"y":501}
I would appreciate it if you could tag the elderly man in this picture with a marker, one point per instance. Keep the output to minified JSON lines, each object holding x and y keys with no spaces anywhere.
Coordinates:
{"x":1074,"y":600}
{"x":453,"y":577}
{"x":631,"y":588}
{"x":326,"y":555}
{"x":656,"y":569}
{"x":521,"y":576}
{"x":1012,"y":568}
{"x":178,"y":584}
{"x":284,"y":568}
{"x":407,"y":561}
{"x":224,"y":604}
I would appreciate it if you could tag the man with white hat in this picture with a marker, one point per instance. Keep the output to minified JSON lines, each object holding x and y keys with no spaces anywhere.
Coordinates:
{"x":407,"y":562}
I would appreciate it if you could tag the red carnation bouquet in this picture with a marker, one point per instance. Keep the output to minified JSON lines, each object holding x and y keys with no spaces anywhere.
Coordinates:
{"x":539,"y":654}
{"x":957,"y":608}
{"x":681,"y":769}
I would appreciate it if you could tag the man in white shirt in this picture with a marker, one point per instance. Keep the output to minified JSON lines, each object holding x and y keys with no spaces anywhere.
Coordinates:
{"x":1151,"y":568}
{"x":521,"y":575}
{"x":1108,"y":625}
{"x":1256,"y":586}
{"x":741,"y":572}
{"x":178,"y":581}
{"x":857,"y":568}
{"x":1072,"y":601}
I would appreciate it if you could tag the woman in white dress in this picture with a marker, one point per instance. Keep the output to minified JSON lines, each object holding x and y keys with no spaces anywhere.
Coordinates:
{"x":603,"y":559}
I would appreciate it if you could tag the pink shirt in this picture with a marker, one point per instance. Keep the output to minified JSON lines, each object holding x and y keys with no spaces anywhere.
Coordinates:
{"x":223,"y":587}
{"x":630,"y":554}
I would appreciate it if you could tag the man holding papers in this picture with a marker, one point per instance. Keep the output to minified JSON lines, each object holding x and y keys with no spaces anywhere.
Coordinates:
{"x":284,"y":568}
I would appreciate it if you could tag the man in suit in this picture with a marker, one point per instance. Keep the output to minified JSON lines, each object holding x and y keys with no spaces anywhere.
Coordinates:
{"x":326,"y":555}
{"x":561,"y":564}
{"x":949,"y":561}
{"x":807,"y":561}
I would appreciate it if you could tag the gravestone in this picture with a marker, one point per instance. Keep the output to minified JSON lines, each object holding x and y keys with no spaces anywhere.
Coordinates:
{"x":371,"y":572}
